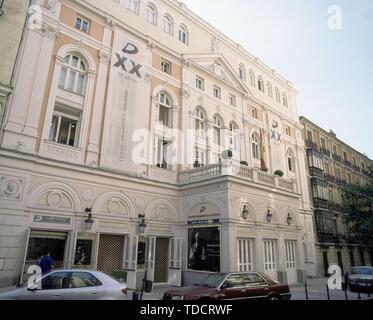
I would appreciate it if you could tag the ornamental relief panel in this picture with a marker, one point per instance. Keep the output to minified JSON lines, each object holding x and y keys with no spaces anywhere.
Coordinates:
{"x":11,"y":188}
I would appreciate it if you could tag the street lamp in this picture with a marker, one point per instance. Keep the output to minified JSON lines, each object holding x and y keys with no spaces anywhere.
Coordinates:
{"x":290,"y":219}
{"x":89,"y":221}
{"x":245,"y":212}
{"x":142,"y":224}
{"x":269,"y":216}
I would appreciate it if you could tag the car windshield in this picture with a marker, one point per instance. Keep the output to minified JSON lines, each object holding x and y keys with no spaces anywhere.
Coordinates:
{"x":368,"y":271}
{"x":212,"y":281}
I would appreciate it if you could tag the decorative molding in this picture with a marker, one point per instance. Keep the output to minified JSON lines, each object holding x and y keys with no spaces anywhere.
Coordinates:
{"x":11,"y":187}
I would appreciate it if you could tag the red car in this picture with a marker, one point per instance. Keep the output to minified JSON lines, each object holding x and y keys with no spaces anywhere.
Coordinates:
{"x":232,"y":286}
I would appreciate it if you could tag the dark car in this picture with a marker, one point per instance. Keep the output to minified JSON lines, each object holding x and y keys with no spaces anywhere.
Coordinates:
{"x":361,"y":279}
{"x":232,"y":286}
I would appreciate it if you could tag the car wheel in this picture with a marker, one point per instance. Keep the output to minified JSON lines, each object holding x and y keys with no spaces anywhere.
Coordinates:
{"x":274,"y":298}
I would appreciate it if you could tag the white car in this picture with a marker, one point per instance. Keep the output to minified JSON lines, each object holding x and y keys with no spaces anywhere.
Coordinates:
{"x":70,"y":285}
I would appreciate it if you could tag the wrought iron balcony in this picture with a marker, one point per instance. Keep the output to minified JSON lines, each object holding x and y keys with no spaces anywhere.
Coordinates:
{"x":320,"y":203}
{"x":325,"y":237}
{"x":311,"y":145}
{"x":335,"y":207}
{"x":337,"y":158}
{"x":356,"y":168}
{"x":329,"y":177}
{"x":347,"y":163}
{"x":341,"y":182}
{"x":325,"y":152}
{"x":316,"y":172}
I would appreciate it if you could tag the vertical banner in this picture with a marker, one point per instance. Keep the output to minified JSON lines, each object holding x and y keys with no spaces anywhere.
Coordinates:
{"x":126,"y":98}
{"x":277,"y":144}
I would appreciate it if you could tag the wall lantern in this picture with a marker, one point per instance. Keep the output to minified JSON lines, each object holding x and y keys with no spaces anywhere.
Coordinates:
{"x":1,"y":8}
{"x":290,"y":219}
{"x":245,"y":212}
{"x":89,"y":221}
{"x":269,"y":216}
{"x":142,"y":224}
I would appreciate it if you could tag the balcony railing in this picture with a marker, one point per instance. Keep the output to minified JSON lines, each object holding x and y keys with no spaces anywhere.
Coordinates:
{"x":325,"y":152}
{"x":341,"y":182}
{"x":316,"y":172}
{"x":326,"y":237}
{"x":320,"y":203}
{"x":311,"y":145}
{"x":356,"y":168}
{"x":335,"y":207}
{"x":347,"y":163}
{"x":337,"y":158}
{"x":228,"y":168}
{"x":329,"y":177}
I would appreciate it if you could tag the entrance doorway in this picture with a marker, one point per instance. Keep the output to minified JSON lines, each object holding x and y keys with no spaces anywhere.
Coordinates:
{"x":291,"y":266}
{"x":161,"y":260}
{"x":110,"y":253}
{"x":270,"y":264}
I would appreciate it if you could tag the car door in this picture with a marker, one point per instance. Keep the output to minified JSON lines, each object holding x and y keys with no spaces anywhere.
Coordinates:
{"x":53,"y":287}
{"x":233,"y":288}
{"x":256,"y":286}
{"x":84,"y":286}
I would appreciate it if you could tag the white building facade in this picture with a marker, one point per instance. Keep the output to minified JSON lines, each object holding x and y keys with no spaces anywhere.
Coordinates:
{"x":142,"y":113}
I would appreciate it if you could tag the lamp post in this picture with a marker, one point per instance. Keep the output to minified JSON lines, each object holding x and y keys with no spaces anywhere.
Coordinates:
{"x":89,"y":221}
{"x":142,"y":224}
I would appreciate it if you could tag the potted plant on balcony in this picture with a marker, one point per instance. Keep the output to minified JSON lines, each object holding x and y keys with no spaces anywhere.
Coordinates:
{"x":279,"y":173}
{"x":196,"y":164}
{"x":244,"y":163}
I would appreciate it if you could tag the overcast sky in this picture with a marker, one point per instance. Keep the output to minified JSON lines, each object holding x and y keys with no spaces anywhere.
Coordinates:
{"x":331,"y":69}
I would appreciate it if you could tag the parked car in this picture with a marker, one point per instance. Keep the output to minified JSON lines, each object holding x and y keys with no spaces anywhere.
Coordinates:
{"x":232,"y":286}
{"x":70,"y":285}
{"x":361,"y":279}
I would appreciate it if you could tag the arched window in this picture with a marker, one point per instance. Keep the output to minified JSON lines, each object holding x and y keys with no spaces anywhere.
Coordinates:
{"x":133,"y":5}
{"x":218,"y":124}
{"x":168,"y":24}
{"x":199,"y":123}
{"x":255,"y":146}
{"x":233,"y":136}
{"x":252,"y":78}
{"x":73,"y":74}
{"x":260,"y":83}
{"x":269,"y":89}
{"x":290,"y":160}
{"x":183,"y":34}
{"x":277,"y":94}
{"x":151,"y":14}
{"x":164,"y":109}
{"x":242,"y":72}
{"x":284,"y":99}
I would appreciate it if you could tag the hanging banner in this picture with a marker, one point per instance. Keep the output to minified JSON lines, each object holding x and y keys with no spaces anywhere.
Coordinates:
{"x":125,"y":101}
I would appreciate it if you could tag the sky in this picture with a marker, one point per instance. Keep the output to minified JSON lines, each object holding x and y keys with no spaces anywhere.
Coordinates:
{"x":327,"y":55}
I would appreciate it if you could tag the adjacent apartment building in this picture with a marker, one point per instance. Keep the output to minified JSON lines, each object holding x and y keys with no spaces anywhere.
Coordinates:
{"x":333,"y":164}
{"x":140,"y":138}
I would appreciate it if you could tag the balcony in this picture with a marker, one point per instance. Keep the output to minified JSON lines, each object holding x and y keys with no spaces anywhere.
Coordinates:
{"x":320,"y":203}
{"x":356,"y":168}
{"x":325,"y":237}
{"x":335,"y":207}
{"x":329,"y":177}
{"x":341,"y":182}
{"x":316,"y":172}
{"x":228,"y":168}
{"x":337,"y":158}
{"x":325,"y":152}
{"x":311,"y":145}
{"x":347,"y":163}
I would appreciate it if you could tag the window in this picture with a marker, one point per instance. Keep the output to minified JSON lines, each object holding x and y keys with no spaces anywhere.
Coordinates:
{"x":200,"y":157}
{"x":232,"y":100}
{"x":277,"y":95}
{"x":269,"y":89}
{"x":349,"y":178}
{"x":252,"y":78}
{"x":216,"y":92}
{"x":151,"y":14}
{"x":233,"y":136}
{"x":290,"y":160}
{"x":323,"y":144}
{"x":255,"y":146}
{"x":338,"y":172}
{"x":65,"y":126}
{"x":254,"y":113}
{"x":200,"y":83}
{"x":260,"y":84}
{"x":82,"y":24}
{"x":164,"y":149}
{"x":253,"y":280}
{"x":56,"y":281}
{"x":83,"y":280}
{"x":200,"y":125}
{"x":133,"y":5}
{"x":288,"y":131}
{"x":217,"y":130}
{"x":164,"y":109}
{"x":234,"y":281}
{"x":242,"y":72}
{"x":309,"y":136}
{"x":73,"y":74}
{"x":284,"y":99}
{"x":183,"y":34}
{"x":245,"y":255}
{"x":166,"y":66}
{"x":327,"y":168}
{"x":167,"y":24}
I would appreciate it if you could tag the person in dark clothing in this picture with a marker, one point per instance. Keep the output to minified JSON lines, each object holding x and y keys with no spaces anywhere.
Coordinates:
{"x":46,"y":263}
